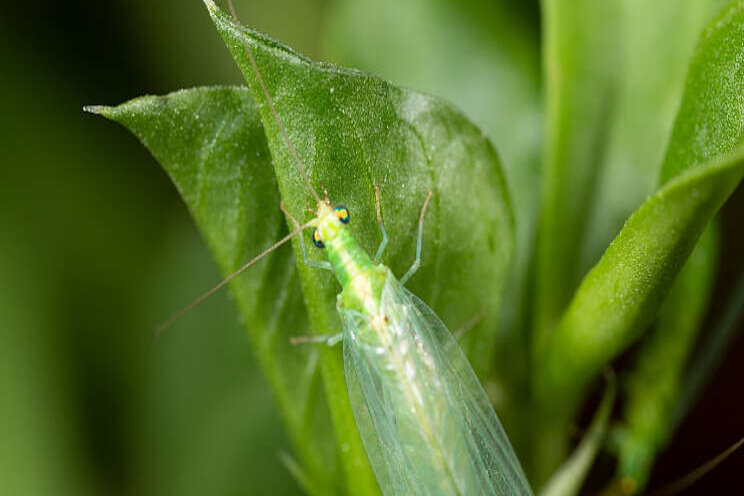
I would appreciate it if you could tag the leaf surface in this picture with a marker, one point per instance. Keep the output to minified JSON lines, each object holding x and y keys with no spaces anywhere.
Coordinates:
{"x":655,"y":384}
{"x":211,"y":143}
{"x":657,"y":44}
{"x":497,"y":85}
{"x":580,"y":66}
{"x":708,"y":125}
{"x":353,"y":131}
{"x":622,"y":293}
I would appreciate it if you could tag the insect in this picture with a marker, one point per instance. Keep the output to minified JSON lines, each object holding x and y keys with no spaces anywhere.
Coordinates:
{"x":425,"y":421}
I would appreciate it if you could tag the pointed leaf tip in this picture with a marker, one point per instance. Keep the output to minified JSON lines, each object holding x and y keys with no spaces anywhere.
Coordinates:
{"x":95,"y":109}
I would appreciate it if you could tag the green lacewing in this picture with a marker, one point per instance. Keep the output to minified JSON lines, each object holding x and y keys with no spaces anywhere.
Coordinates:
{"x":425,"y":421}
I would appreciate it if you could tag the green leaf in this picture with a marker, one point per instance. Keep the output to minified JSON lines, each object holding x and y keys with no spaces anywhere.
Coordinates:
{"x":629,"y":289}
{"x":353,"y":131}
{"x":656,"y":382}
{"x":622,"y":294}
{"x":211,"y":143}
{"x":659,"y":39}
{"x":657,"y":43}
{"x":708,"y":124}
{"x":612,"y":97}
{"x":624,"y":290}
{"x":498,"y":85}
{"x":579,"y":60}
{"x":709,"y":120}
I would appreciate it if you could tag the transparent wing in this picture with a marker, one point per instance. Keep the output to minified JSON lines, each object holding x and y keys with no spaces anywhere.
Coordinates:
{"x":488,"y":436}
{"x":375,"y":423}
{"x":426,"y":423}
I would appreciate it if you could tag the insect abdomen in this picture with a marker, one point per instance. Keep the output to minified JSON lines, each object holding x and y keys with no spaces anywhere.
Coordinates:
{"x":419,"y":439}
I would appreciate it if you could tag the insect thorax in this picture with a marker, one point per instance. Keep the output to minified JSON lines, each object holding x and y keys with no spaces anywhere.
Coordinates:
{"x":362,"y":293}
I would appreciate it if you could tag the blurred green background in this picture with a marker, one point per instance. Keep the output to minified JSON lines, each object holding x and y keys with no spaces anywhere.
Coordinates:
{"x":97,"y":247}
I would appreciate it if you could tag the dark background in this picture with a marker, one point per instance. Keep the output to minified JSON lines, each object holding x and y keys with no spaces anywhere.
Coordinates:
{"x":97,"y":247}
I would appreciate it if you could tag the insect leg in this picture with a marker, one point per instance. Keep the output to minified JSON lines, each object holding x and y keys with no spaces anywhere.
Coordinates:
{"x":325,"y":193}
{"x":330,"y":340}
{"x":313,"y":264}
{"x":463,"y":329}
{"x":419,"y":240}
{"x":383,"y":242}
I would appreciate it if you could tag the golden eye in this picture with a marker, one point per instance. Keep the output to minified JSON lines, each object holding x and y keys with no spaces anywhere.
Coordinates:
{"x":316,"y":239}
{"x":342,"y":214}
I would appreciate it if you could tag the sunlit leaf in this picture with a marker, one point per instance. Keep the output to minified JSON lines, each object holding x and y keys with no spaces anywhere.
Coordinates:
{"x":353,"y":131}
{"x":497,"y":85}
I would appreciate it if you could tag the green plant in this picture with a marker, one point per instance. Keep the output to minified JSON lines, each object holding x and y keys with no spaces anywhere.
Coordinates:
{"x":538,"y":351}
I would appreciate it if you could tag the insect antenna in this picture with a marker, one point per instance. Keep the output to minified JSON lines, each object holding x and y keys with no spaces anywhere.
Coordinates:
{"x":270,"y":102}
{"x":160,"y":328}
{"x":688,"y":480}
